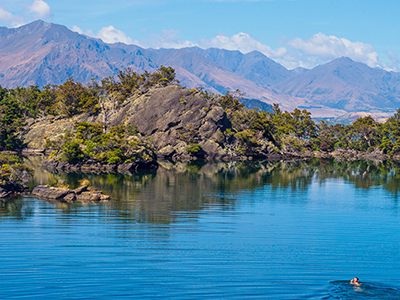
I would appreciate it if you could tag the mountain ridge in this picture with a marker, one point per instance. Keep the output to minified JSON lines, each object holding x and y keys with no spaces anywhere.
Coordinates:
{"x":345,"y":84}
{"x":42,"y":53}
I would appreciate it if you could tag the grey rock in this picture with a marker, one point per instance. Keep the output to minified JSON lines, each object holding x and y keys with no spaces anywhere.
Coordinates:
{"x":88,"y":197}
{"x":80,"y":190}
{"x":50,"y":193}
{"x":126,"y":167}
{"x":166,"y":152}
{"x":83,"y":194}
{"x":70,"y":198}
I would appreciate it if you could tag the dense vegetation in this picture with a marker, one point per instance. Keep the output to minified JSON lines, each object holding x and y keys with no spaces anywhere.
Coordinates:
{"x":90,"y":142}
{"x":69,"y":99}
{"x":253,"y":132}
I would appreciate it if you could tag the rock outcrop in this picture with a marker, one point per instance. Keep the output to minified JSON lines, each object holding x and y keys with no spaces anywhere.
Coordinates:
{"x":171,"y":117}
{"x":83,"y":194}
{"x":10,"y":189}
{"x":174,"y":117}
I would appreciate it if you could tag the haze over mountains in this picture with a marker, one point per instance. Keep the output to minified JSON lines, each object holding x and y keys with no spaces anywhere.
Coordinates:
{"x":42,"y":53}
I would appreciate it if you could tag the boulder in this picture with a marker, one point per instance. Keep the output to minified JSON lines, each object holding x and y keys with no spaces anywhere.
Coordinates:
{"x":80,"y":190}
{"x":88,"y":197}
{"x":50,"y":193}
{"x":9,"y":189}
{"x":70,"y":198}
{"x":167,"y":152}
{"x":82,"y":194}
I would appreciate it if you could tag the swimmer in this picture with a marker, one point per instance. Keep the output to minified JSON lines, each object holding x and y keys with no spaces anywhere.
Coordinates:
{"x":355,"y":281}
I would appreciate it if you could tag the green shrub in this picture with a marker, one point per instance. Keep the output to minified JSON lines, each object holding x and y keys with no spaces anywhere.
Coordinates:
{"x":72,"y":152}
{"x":193,"y":149}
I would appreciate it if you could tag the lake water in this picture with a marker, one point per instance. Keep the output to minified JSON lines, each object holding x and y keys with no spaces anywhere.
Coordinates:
{"x":260,"y":230}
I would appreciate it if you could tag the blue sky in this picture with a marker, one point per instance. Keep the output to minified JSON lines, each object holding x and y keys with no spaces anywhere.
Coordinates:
{"x":292,"y":32}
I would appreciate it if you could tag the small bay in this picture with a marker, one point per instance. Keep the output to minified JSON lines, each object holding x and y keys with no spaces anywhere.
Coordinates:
{"x":237,"y":230}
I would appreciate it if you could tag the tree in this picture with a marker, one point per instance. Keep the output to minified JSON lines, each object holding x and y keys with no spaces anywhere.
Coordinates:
{"x":390,"y":143}
{"x":328,"y":136}
{"x":74,"y":98}
{"x":231,"y":101}
{"x":167,"y":73}
{"x":11,"y":120}
{"x":363,"y":134}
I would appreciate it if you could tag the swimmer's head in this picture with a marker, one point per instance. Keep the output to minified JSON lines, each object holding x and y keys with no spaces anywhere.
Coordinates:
{"x":356,"y":279}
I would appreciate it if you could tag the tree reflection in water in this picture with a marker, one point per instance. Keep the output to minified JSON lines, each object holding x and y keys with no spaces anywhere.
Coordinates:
{"x":158,"y":197}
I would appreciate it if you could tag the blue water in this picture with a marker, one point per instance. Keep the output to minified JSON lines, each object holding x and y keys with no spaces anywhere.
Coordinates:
{"x":220,"y":231}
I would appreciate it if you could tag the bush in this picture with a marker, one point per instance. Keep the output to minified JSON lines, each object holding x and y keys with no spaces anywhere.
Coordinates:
{"x":193,"y":149}
{"x":88,"y":142}
{"x":72,"y":152}
{"x":14,"y":172}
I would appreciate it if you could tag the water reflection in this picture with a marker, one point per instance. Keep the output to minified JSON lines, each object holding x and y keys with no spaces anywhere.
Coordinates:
{"x":266,"y":230}
{"x":158,"y":197}
{"x":16,"y":208}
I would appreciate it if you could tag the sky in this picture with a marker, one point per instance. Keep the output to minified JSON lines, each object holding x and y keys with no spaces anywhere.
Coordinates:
{"x":294,"y":33}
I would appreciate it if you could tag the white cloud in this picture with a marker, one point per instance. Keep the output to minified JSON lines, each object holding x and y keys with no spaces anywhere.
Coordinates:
{"x":306,"y":53}
{"x":394,"y":62}
{"x":108,"y":34}
{"x":325,"y":48}
{"x":40,"y":9}
{"x":167,"y":39}
{"x":242,"y":42}
{"x":77,"y":29}
{"x":8,"y":18}
{"x":112,"y":35}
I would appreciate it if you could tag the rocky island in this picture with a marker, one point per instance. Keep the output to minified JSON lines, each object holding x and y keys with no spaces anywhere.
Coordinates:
{"x":129,"y":122}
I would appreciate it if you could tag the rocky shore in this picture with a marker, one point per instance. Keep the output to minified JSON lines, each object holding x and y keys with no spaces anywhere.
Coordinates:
{"x":12,"y":189}
{"x":182,"y":124}
{"x":131,"y":168}
{"x":337,"y":154}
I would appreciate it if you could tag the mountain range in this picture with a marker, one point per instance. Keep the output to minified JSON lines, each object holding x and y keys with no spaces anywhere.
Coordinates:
{"x":43,"y":53}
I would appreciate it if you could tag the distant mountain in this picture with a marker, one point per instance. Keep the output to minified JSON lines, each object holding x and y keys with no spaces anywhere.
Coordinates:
{"x":207,"y":73}
{"x":348,"y":85}
{"x":42,"y":53}
{"x":254,"y":66}
{"x":299,"y":70}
